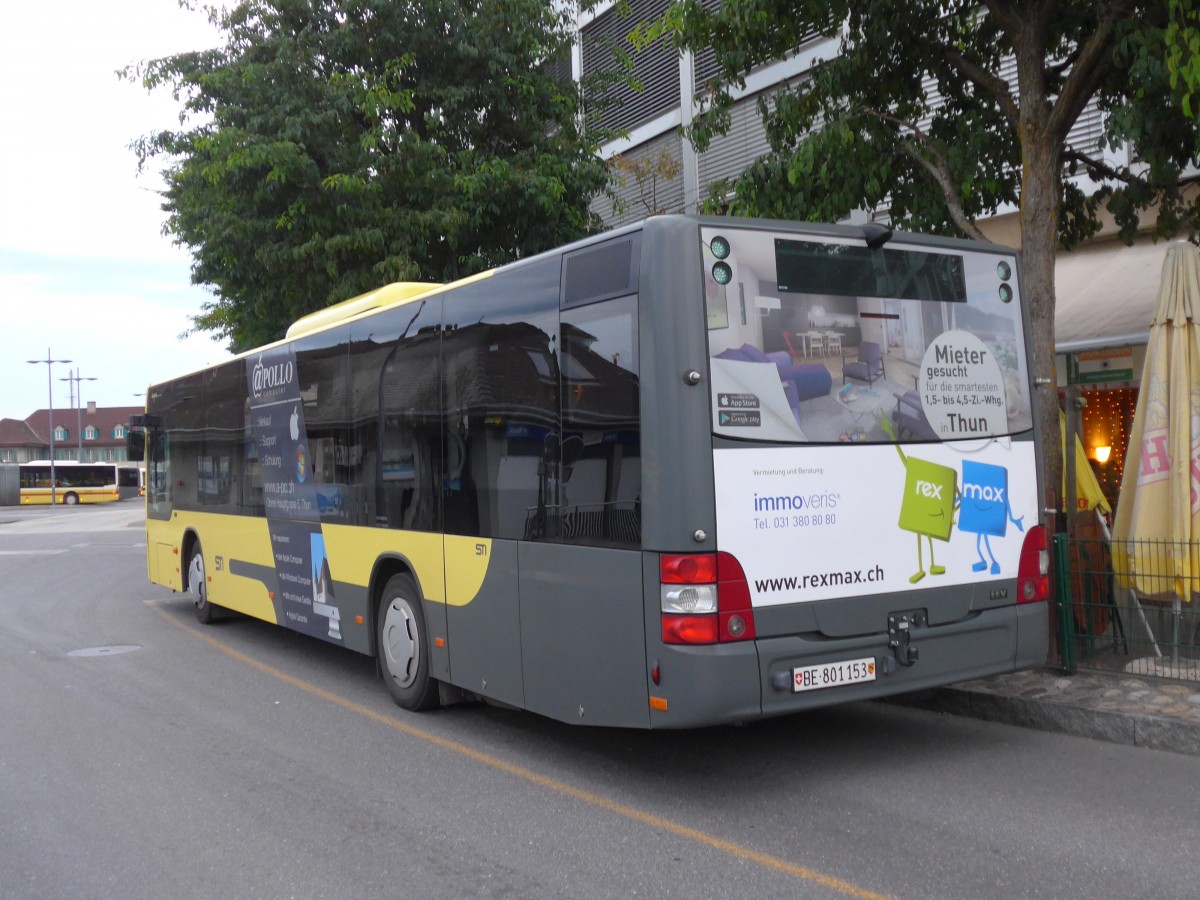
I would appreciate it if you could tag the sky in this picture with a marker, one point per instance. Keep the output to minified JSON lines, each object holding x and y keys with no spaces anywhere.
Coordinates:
{"x":85,"y":271}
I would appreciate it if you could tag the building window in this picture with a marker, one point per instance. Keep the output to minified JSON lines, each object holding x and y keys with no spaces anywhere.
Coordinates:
{"x":90,"y":433}
{"x":119,"y":432}
{"x":60,"y":433}
{"x":656,"y":68}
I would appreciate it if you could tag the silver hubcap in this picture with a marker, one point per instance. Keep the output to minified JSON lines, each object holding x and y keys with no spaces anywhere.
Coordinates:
{"x":196,"y":580}
{"x":401,"y":648}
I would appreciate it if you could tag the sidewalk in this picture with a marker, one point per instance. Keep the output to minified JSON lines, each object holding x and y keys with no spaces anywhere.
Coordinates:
{"x":1124,"y":709}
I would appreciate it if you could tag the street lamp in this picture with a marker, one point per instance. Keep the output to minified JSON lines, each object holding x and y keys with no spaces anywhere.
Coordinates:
{"x":77,"y":402}
{"x":50,"y":387}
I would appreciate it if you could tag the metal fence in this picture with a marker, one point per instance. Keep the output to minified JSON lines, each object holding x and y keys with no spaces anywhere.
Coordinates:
{"x":1107,"y":620}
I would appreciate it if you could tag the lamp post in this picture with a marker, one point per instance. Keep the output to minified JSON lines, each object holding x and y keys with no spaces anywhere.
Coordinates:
{"x":77,"y":402}
{"x":50,"y":387}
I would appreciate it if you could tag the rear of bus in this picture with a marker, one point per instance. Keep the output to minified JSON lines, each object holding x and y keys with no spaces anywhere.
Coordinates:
{"x":865,"y":518}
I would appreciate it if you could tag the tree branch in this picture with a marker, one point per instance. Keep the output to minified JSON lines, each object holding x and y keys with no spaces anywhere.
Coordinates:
{"x":1092,"y":63}
{"x":1101,"y":168}
{"x":920,"y":149}
{"x":1060,"y":67}
{"x":941,"y":175}
{"x":1006,"y":14}
{"x":994,"y":85}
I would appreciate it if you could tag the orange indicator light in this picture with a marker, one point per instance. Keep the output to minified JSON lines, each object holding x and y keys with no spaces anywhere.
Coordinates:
{"x":659,"y":703}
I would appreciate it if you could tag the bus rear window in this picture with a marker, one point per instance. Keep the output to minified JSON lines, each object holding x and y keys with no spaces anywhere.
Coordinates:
{"x":825,"y":340}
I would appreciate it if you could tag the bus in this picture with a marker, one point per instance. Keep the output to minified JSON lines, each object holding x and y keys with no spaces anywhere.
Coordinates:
{"x":696,"y":470}
{"x":77,"y":482}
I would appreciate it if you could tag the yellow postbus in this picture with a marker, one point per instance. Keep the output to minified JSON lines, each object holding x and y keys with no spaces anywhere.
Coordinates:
{"x":76,"y":482}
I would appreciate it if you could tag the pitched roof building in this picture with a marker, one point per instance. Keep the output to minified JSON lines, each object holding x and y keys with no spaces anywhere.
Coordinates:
{"x":91,"y":434}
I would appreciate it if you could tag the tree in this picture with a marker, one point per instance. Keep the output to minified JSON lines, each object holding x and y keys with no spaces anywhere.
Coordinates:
{"x":646,"y":174}
{"x":331,"y":146}
{"x":865,"y":129}
{"x":1183,"y":52}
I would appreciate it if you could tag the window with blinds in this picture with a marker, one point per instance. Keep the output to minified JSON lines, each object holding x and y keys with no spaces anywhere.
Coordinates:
{"x":655,"y":69}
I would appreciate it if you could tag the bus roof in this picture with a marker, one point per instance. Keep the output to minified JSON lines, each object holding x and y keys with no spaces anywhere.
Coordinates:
{"x":388,"y":295}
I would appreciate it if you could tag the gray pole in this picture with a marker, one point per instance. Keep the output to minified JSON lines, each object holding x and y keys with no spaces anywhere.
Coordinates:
{"x":79,"y":414}
{"x":77,"y":401}
{"x":50,"y":389}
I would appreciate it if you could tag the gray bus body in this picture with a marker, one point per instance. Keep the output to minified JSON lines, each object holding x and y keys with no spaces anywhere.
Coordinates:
{"x":554,"y":455}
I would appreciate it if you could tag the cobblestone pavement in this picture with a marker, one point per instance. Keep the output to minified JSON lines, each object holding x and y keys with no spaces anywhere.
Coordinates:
{"x":1108,"y":706}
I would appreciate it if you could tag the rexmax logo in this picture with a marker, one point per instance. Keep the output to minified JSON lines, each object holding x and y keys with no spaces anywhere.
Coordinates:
{"x":927,"y":489}
{"x":990,"y":493}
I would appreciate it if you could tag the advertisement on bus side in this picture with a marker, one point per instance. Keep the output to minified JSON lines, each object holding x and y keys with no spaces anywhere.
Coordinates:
{"x":304,"y":598}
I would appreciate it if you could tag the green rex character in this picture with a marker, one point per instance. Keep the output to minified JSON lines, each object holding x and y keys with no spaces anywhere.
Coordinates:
{"x":928,"y":503}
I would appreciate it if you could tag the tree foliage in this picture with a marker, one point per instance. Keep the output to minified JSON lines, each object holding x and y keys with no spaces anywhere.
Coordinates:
{"x":1183,"y":53}
{"x":947,"y":111}
{"x":331,"y":146}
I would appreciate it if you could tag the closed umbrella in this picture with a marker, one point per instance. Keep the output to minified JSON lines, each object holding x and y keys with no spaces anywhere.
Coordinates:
{"x":1088,"y":493}
{"x":1156,"y":534}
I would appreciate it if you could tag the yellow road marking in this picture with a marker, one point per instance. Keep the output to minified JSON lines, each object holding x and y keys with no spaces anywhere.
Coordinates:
{"x":553,"y":784}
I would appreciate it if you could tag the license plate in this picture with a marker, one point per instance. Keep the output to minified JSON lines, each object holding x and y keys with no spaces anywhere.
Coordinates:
{"x":836,"y":674}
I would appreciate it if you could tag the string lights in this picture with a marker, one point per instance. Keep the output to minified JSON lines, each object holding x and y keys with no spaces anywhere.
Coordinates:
{"x":1107,"y":421}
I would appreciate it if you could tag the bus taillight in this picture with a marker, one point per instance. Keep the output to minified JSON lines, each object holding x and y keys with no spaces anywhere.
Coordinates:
{"x":733,"y":600}
{"x":1033,"y":579}
{"x":705,"y":599}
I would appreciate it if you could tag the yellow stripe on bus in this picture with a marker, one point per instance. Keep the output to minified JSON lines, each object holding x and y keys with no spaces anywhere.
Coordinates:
{"x":450,"y":569}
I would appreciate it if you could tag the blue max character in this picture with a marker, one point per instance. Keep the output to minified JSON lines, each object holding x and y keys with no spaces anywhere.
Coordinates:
{"x":985,"y":511}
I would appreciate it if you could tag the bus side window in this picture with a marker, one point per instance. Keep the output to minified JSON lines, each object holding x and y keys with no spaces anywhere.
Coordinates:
{"x":394,"y":442}
{"x":500,"y":376}
{"x":321,"y":361}
{"x":601,"y":475}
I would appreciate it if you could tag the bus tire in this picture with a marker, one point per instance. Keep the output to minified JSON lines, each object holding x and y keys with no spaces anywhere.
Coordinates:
{"x":402,"y":643}
{"x":70,"y":498}
{"x":206,"y":613}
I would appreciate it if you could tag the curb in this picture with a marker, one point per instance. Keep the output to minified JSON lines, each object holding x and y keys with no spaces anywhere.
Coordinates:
{"x":1136,"y":730}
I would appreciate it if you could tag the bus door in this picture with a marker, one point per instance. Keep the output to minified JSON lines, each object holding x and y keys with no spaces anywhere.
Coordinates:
{"x":501,"y":407}
{"x":582,"y":613}
{"x":393,"y":460}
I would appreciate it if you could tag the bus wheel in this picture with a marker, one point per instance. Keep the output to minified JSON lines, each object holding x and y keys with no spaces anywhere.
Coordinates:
{"x":70,"y":499}
{"x":198,"y":586}
{"x":404,"y":646}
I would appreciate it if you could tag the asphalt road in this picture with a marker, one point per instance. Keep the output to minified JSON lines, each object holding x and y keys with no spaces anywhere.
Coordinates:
{"x":145,"y":756}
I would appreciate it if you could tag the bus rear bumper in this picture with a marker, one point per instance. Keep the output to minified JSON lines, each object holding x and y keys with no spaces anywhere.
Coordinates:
{"x":738,"y":682}
{"x":988,"y":642}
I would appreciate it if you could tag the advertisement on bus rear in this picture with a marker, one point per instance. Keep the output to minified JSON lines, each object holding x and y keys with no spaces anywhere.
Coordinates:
{"x":824,"y":522}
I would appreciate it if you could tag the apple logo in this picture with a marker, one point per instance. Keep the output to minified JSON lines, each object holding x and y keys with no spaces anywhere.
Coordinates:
{"x":294,"y":423}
